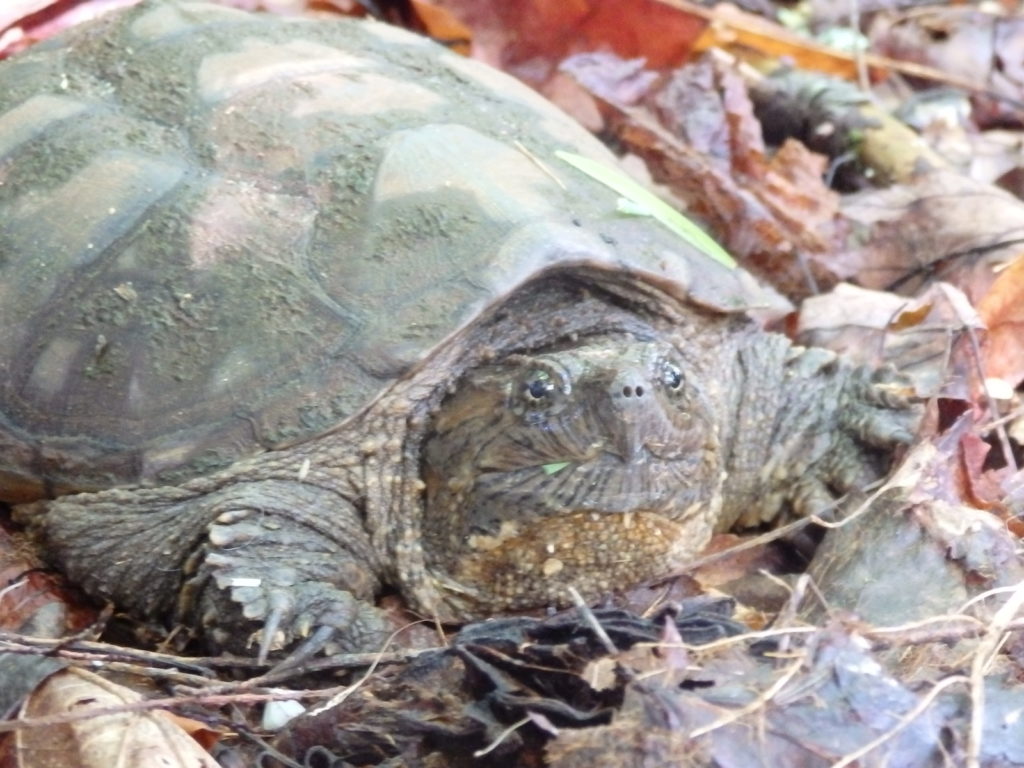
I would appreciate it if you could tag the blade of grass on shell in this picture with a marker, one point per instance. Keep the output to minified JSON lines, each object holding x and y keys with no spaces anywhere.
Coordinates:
{"x":642,"y":200}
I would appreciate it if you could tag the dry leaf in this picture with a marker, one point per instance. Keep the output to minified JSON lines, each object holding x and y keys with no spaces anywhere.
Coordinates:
{"x":943,"y":226}
{"x":16,"y":10}
{"x":917,"y":336}
{"x":141,"y":739}
{"x":700,"y":139}
{"x":33,"y":601}
{"x":1002,"y":309}
{"x":980,"y":47}
{"x":442,"y":25}
{"x":528,"y":38}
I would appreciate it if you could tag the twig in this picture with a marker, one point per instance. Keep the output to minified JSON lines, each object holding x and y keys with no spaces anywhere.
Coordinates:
{"x":163,"y":703}
{"x":349,"y":690}
{"x":906,"y":720}
{"x":983,"y":656}
{"x":758,"y":703}
{"x":991,"y":402}
{"x":91,"y":652}
{"x":896,"y":481}
{"x":501,"y":737}
{"x":538,"y":162}
{"x":592,"y":622}
{"x":908,"y":68}
{"x":787,"y":615}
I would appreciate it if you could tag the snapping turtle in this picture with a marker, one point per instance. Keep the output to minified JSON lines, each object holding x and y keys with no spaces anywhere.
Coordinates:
{"x":290,"y":311}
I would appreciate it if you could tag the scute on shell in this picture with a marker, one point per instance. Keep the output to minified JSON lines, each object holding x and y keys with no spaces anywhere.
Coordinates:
{"x":221,"y":233}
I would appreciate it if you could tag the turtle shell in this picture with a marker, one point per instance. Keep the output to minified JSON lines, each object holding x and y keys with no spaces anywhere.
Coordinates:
{"x":222,"y":233}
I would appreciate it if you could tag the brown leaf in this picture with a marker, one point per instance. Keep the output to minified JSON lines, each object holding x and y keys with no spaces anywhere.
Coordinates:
{"x":203,"y":734}
{"x":14,"y":11}
{"x":977,"y":487}
{"x":528,"y":38}
{"x":943,"y":226}
{"x":140,"y":739}
{"x":441,"y":24}
{"x":700,"y":139}
{"x":1002,"y":309}
{"x":911,"y":318}
{"x":34,"y":601}
{"x":980,"y":47}
{"x":917,"y":336}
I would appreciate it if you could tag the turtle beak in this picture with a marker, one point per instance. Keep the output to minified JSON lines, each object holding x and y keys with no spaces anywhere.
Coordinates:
{"x":629,"y":396}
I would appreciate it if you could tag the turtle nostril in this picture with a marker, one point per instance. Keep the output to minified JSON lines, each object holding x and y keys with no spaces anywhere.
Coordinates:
{"x":639,"y":391}
{"x":630,"y":391}
{"x":627,"y":391}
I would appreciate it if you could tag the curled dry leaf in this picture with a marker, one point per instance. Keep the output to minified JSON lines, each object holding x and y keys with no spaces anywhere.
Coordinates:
{"x":976,"y":486}
{"x":132,"y":739}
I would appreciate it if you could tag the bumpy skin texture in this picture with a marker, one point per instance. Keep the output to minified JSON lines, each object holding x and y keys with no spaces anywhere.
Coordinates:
{"x":327,"y":293}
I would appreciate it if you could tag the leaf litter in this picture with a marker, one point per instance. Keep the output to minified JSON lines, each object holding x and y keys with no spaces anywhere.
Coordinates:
{"x":900,"y":642}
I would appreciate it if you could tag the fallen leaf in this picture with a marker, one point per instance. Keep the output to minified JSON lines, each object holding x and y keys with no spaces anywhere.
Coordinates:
{"x":975,"y":486}
{"x":139,"y":739}
{"x":16,"y":10}
{"x":921,"y":337}
{"x":528,"y":38}
{"x":1002,"y":309}
{"x":942,"y":226}
{"x":976,"y":46}
{"x":442,"y":25}
{"x":34,"y":601}
{"x":775,"y":216}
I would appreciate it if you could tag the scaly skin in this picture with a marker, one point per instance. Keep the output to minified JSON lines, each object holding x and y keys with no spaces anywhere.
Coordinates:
{"x":603,"y":454}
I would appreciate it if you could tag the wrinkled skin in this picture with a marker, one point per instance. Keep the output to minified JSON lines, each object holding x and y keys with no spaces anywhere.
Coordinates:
{"x":293,"y":307}
{"x":546,"y":468}
{"x":611,"y":459}
{"x":733,"y":430}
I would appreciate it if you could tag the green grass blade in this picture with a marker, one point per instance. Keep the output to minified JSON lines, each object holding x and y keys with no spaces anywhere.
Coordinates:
{"x":641,"y":201}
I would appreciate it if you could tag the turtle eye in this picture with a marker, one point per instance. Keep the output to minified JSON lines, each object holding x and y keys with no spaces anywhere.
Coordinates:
{"x":672,"y":377}
{"x":537,"y":386}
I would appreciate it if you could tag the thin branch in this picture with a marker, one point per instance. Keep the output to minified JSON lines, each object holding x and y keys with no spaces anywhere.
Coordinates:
{"x":904,"y":721}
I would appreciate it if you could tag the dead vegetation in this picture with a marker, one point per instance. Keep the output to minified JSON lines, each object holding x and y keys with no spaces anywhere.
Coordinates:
{"x":884,"y":198}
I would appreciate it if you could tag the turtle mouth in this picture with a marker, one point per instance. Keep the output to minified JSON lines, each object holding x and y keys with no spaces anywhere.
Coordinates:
{"x":602,"y":484}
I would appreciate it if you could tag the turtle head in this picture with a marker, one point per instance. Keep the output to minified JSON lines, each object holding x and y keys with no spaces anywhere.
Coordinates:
{"x":594,"y":465}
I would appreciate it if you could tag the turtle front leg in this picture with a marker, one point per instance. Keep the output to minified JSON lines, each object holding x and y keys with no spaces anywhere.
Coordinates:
{"x":807,"y":426}
{"x":271,"y":560}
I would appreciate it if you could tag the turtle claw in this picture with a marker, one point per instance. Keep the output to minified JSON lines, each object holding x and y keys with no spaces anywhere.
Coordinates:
{"x":268,"y":576}
{"x":306,"y":650}
{"x":271,"y":627}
